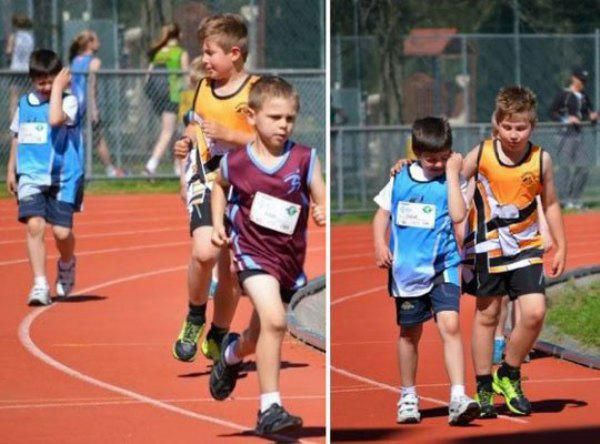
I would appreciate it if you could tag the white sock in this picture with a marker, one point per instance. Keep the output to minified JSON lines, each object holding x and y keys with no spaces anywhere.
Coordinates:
{"x":499,"y":338}
{"x":40,"y":281}
{"x":412,"y":390}
{"x":152,"y":165}
{"x":230,"y":357}
{"x":456,"y":392}
{"x":67,"y":264}
{"x":268,"y":399}
{"x":111,"y":171}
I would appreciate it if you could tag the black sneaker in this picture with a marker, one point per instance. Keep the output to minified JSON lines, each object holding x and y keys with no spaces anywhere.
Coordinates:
{"x":275,"y":420}
{"x":186,"y":345}
{"x":485,"y":399}
{"x":223,"y":377}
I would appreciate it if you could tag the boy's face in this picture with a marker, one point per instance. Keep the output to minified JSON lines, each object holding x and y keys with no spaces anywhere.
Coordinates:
{"x":217,"y":63}
{"x":274,"y":121}
{"x":514,"y":132}
{"x":43,"y":85}
{"x":434,"y":163}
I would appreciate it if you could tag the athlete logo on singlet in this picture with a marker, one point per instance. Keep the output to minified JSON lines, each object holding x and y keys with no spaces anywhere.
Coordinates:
{"x":294,"y":181}
{"x":242,"y":108}
{"x":528,"y":179}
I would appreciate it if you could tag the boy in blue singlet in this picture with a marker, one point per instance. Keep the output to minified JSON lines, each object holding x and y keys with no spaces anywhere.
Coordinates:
{"x":419,"y":205}
{"x":45,"y":170}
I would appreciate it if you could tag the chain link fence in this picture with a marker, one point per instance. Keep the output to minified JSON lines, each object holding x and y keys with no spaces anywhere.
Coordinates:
{"x":130,"y":116}
{"x":361,"y":159}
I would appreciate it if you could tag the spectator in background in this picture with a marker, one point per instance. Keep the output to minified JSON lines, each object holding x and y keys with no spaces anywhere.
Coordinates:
{"x":84,"y":65}
{"x":572,"y":106}
{"x":165,"y":92}
{"x":19,"y":47}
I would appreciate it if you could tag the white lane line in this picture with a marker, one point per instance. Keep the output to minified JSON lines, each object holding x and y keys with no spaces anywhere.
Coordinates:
{"x":21,"y":227}
{"x":25,"y":338}
{"x":390,"y":388}
{"x":348,"y":270}
{"x":356,"y":295}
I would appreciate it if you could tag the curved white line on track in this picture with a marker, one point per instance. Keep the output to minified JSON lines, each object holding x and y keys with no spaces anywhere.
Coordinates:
{"x":356,"y":295}
{"x":30,"y":346}
{"x":383,"y":386}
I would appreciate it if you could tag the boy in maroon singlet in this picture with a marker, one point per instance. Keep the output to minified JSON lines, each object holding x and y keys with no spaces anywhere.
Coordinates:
{"x":272,"y":180}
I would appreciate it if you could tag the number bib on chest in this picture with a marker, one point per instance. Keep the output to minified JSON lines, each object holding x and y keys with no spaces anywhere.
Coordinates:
{"x":273,"y":213}
{"x":33,"y":133}
{"x":410,"y":214}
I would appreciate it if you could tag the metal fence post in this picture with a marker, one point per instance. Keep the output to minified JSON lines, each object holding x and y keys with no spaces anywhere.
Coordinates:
{"x":597,"y":87}
{"x":89,"y":139}
{"x":339,"y":170}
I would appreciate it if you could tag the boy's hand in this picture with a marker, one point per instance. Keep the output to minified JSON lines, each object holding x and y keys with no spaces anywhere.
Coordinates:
{"x":454,"y":164}
{"x":219,"y":236}
{"x":318,"y":214}
{"x":383,"y":256}
{"x":62,"y":79}
{"x":558,"y":263}
{"x":11,"y":183}
{"x":213,"y":130}
{"x":399,"y":165}
{"x":182,"y":147}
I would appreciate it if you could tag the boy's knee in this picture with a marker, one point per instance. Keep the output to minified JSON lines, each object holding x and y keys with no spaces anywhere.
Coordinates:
{"x":449,"y":326}
{"x":36,"y":226}
{"x":488,"y":318}
{"x":534,"y":318}
{"x":276,"y":324}
{"x":203,"y":258}
{"x":61,"y":233}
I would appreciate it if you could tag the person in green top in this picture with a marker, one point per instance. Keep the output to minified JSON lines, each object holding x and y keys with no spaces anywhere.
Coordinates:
{"x":164,"y":90}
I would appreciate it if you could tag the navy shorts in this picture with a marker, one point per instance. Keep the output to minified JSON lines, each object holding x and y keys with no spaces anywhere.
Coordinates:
{"x":417,"y":310}
{"x":513,"y":283}
{"x":286,"y":293}
{"x":44,"y":204}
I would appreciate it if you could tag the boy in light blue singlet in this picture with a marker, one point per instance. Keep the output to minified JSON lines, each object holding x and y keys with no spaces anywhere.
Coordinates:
{"x":45,"y":170}
{"x":419,"y":206}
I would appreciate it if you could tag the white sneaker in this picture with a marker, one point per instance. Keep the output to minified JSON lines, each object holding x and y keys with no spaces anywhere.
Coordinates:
{"x":65,"y":278}
{"x":39,"y":295}
{"x":463,"y":410}
{"x":408,"y":410}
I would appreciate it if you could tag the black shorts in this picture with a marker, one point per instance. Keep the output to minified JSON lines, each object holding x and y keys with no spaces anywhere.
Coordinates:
{"x":200,"y":213}
{"x":286,"y":293}
{"x":513,"y":283}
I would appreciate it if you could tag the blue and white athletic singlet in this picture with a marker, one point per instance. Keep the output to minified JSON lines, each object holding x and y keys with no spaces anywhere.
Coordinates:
{"x":80,"y":67}
{"x":45,"y":155}
{"x":422,"y":236}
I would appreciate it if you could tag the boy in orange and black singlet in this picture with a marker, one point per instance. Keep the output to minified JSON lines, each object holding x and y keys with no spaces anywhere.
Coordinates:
{"x":216,"y":124}
{"x":503,"y":246}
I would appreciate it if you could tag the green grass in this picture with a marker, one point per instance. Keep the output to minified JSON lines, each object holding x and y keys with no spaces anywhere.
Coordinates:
{"x":352,"y":218}
{"x":575,"y":312}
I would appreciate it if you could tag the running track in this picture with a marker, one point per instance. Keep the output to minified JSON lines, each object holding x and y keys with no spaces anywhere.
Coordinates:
{"x":365,"y":378}
{"x":98,"y":367}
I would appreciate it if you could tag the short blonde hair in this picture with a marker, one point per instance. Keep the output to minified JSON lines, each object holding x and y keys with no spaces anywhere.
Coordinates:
{"x":515,"y":100}
{"x":227,"y":30}
{"x":196,"y":71}
{"x":268,"y":87}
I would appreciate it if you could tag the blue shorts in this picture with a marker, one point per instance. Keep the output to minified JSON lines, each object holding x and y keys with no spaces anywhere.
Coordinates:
{"x":417,"y":310}
{"x":44,"y":204}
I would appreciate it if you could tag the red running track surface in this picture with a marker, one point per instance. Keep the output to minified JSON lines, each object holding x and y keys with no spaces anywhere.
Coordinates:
{"x":365,"y":378}
{"x":98,"y":367}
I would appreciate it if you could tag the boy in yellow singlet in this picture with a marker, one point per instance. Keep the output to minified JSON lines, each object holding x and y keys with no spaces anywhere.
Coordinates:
{"x":216,"y":124}
{"x":503,"y":246}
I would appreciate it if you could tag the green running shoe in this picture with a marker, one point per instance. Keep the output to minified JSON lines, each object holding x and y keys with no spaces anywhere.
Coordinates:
{"x":485,"y":399}
{"x":186,"y":346}
{"x":513,"y":394}
{"x":211,"y":346}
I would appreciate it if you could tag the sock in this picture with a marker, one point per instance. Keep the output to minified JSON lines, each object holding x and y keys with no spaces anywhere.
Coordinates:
{"x":110,"y":171}
{"x":230,"y":357}
{"x":457,"y":391}
{"x":412,"y":390}
{"x":40,"y":281}
{"x":268,"y":399}
{"x":499,"y":338}
{"x":217,"y":333}
{"x":197,"y":314}
{"x":506,"y":370}
{"x":484,"y":382}
{"x":152,"y":165}
{"x":64,"y":265}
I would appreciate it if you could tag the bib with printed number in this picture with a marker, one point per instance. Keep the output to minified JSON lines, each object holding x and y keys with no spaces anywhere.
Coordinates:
{"x":274,"y":213}
{"x":33,"y":133}
{"x":418,"y":215}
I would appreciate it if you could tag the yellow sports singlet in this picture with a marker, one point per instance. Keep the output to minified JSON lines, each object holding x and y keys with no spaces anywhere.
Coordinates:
{"x":502,"y":232}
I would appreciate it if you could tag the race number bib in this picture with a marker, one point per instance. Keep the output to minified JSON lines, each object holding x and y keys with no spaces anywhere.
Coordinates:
{"x":33,"y":133}
{"x":273,"y":213}
{"x":410,"y":214}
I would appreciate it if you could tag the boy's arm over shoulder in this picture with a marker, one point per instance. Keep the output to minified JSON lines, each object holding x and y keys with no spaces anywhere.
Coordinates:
{"x":58,"y":116}
{"x":469,"y":166}
{"x":553,"y":214}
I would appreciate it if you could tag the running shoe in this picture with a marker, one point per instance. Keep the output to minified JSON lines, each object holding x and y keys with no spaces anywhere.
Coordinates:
{"x":463,"y":410}
{"x":211,"y":346}
{"x":485,"y":399}
{"x":513,"y":394}
{"x":65,"y":277}
{"x":276,"y":420}
{"x":223,"y":377}
{"x":39,"y":295}
{"x":186,"y":346}
{"x":408,"y":410}
{"x":499,"y":347}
